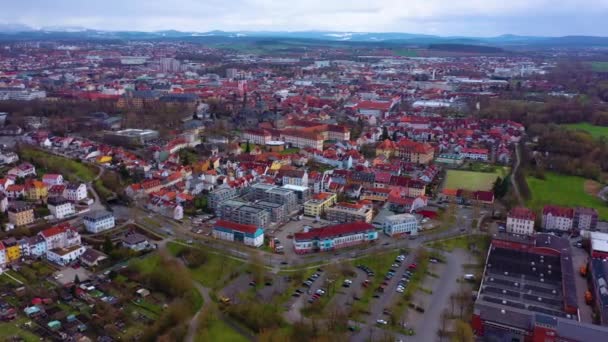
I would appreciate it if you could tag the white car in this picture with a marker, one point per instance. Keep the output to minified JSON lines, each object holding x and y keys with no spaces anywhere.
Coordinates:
{"x":320,"y":292}
{"x":381,"y":322}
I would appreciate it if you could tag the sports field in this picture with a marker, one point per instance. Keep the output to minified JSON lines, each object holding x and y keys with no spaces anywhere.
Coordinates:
{"x":472,"y":180}
{"x":563,"y":190}
{"x":593,"y":130}
{"x":599,"y":66}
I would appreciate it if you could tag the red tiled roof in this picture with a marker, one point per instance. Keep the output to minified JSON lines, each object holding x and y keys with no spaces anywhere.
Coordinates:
{"x":333,"y":231}
{"x":558,"y":211}
{"x":245,"y":228}
{"x":522,"y":213}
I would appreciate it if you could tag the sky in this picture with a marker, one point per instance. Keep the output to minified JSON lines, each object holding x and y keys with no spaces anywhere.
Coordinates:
{"x":480,"y":18}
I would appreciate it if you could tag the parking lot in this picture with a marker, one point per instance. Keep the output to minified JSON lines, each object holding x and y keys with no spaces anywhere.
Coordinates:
{"x":67,"y":275}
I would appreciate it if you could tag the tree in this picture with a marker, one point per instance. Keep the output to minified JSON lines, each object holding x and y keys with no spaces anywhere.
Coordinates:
{"x":444,"y":320}
{"x":463,"y":332}
{"x":384,"y":135}
{"x":247,"y":148}
{"x":108,"y":246}
{"x":76,"y":279}
{"x":394,"y":136}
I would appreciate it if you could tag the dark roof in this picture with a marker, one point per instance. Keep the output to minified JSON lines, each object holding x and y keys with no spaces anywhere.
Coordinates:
{"x":133,"y":238}
{"x":92,"y":255}
{"x":57,"y":201}
{"x":97,"y":215}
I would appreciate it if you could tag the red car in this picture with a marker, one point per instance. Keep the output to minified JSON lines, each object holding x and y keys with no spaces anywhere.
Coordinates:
{"x":412,"y":266}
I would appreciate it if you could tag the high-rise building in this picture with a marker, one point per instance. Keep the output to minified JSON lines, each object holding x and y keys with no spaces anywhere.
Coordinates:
{"x":169,"y":65}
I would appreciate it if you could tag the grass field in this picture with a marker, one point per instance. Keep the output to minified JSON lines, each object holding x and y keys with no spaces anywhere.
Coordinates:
{"x":220,"y":331}
{"x":595,"y":131}
{"x":473,"y":181}
{"x":565,"y":191}
{"x":405,"y":52}
{"x":214,"y":271}
{"x":11,"y":329}
{"x":71,"y":169}
{"x":599,"y":66}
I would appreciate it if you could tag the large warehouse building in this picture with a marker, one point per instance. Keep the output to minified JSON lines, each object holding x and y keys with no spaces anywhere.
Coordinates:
{"x":528,"y":293}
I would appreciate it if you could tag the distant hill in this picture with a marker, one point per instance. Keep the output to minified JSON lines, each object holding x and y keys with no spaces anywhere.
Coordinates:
{"x":12,"y":32}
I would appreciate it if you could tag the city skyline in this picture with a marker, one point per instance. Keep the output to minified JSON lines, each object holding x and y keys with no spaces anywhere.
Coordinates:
{"x":464,"y":18}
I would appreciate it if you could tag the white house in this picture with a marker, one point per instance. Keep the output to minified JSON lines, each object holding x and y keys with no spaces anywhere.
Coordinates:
{"x":51,"y":179}
{"x":557,"y":218}
{"x":403,"y":224}
{"x":136,"y":242}
{"x":521,"y":221}
{"x":60,"y":207}
{"x":98,"y":221}
{"x":64,"y":256}
{"x":75,"y":192}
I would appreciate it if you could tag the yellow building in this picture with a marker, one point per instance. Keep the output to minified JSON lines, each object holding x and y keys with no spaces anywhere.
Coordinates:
{"x":20,"y":215}
{"x":317,"y":205}
{"x":13,"y":252}
{"x":36,"y":190}
{"x":104,"y":159}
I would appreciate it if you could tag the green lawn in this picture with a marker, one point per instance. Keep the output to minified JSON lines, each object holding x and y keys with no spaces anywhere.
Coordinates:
{"x":405,"y":52}
{"x":10,"y":329}
{"x":290,"y":150}
{"x":595,"y":131}
{"x":69,"y":168}
{"x":473,"y":181}
{"x":563,"y":190}
{"x":599,"y":66}
{"x":213,"y":272}
{"x":218,"y":330}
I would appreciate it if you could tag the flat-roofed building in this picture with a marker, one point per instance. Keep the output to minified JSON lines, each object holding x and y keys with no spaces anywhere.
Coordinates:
{"x":350,"y":212}
{"x":318,"y":203}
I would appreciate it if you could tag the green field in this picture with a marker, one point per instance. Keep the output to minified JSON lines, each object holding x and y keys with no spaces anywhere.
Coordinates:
{"x":565,"y":191}
{"x":599,"y":66}
{"x":473,"y":181}
{"x":214,"y":271}
{"x":11,"y":329}
{"x":71,"y":169}
{"x":405,"y":52}
{"x":595,"y":131}
{"x":218,"y":330}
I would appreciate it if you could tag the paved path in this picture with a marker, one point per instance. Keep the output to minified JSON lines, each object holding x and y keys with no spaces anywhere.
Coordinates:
{"x":193,"y":325}
{"x":515,"y":170}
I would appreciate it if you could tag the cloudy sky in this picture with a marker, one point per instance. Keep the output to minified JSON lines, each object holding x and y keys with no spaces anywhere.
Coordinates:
{"x":442,"y":17}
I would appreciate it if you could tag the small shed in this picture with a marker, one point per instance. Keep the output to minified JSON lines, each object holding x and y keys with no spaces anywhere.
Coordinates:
{"x":143,"y":292}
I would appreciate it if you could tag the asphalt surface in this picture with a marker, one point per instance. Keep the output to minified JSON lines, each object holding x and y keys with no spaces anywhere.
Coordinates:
{"x":440,"y":299}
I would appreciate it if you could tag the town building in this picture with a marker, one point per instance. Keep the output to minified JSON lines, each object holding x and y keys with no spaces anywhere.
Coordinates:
{"x":136,"y":242}
{"x":318,"y":203}
{"x":585,"y":219}
{"x":35,"y":190}
{"x":521,"y":221}
{"x":344,"y":212}
{"x":61,"y":236}
{"x":219,"y":195}
{"x":528,"y":292}
{"x":249,"y":235}
{"x":334,"y":237}
{"x":51,"y":179}
{"x":65,"y":256}
{"x":243,"y":213}
{"x":98,"y":221}
{"x":20,"y":215}
{"x":75,"y":192}
{"x":557,"y":218}
{"x":60,"y":207}
{"x":399,"y":225}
